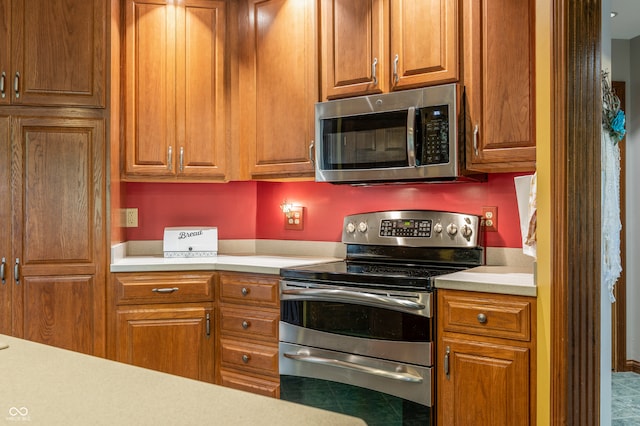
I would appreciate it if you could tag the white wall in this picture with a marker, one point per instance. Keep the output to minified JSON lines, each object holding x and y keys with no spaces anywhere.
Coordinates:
{"x":626,"y":67}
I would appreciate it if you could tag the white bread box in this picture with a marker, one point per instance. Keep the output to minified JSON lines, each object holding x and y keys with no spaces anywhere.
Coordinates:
{"x":190,"y":241}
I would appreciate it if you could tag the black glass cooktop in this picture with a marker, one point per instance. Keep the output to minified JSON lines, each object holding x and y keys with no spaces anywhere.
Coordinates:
{"x":369,"y":275}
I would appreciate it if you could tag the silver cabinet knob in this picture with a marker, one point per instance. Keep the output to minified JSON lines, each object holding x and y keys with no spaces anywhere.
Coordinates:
{"x":245,"y":358}
{"x":244,"y":291}
{"x":482,"y":318}
{"x":245,"y":324}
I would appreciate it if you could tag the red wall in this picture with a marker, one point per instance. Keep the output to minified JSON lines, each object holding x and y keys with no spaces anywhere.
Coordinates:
{"x":247,"y":210}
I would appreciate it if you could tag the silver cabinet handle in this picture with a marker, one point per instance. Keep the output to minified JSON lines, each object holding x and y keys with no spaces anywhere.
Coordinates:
{"x":246,"y":358}
{"x":244,"y":291}
{"x":395,"y":375}
{"x":349,"y":296}
{"x":311,"y":149}
{"x":476,"y":130}
{"x":482,"y":318}
{"x":245,"y":324}
{"x":3,"y":79}
{"x":411,"y":145}
{"x":446,"y":362}
{"x":396,"y":77}
{"x":208,"y":324}
{"x":170,"y":158}
{"x":16,"y":271}
{"x":2,"y":270}
{"x":181,"y":159}
{"x":374,"y":69}
{"x":16,"y":84}
{"x":165,"y":290}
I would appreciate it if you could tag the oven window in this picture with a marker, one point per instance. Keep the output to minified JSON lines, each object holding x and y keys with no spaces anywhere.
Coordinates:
{"x":357,"y":320}
{"x":375,"y":408}
{"x":365,"y":141}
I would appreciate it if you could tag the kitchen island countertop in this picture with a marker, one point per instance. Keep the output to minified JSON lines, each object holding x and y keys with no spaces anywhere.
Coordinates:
{"x":46,"y":385}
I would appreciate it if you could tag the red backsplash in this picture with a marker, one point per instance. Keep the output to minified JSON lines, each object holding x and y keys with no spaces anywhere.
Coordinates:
{"x":248,"y":210}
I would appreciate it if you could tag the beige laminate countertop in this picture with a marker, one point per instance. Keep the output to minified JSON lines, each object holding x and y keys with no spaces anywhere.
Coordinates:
{"x":491,"y":279}
{"x":44,"y":385}
{"x":241,"y":263}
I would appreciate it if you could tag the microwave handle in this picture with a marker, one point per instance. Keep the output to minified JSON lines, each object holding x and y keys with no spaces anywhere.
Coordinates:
{"x":411,"y":141}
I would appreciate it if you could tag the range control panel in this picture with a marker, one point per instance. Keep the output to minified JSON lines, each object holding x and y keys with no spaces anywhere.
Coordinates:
{"x":415,"y":228}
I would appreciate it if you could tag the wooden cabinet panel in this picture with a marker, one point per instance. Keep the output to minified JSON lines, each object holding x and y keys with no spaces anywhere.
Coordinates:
{"x":246,"y":356}
{"x":279,"y":87}
{"x":6,"y":280}
{"x":499,"y":78}
{"x":486,"y":385}
{"x":58,"y":231}
{"x":159,"y":287}
{"x":354,"y":50}
{"x":495,"y":315}
{"x":174,"y":90}
{"x":249,"y":289}
{"x":58,"y":53}
{"x":486,"y":370}
{"x":5,"y":52}
{"x":250,"y":324}
{"x":253,"y":384}
{"x":174,"y":340}
{"x":424,"y":42}
{"x":380,"y":45}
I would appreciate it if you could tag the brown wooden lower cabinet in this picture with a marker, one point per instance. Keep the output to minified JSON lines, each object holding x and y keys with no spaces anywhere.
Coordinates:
{"x":215,"y":327}
{"x":249,"y":312}
{"x":165,"y":321}
{"x":486,"y":359}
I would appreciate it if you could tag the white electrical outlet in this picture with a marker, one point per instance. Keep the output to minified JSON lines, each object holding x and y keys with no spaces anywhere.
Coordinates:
{"x":130,"y":218}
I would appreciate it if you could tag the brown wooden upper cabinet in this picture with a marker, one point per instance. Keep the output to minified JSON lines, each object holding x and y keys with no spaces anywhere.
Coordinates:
{"x":499,"y":79}
{"x":174,"y":90}
{"x":53,"y":52}
{"x":376,"y":46}
{"x":278,"y":86}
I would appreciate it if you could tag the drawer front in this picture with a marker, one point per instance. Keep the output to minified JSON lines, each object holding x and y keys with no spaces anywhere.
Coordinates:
{"x":249,"y":289}
{"x":250,"y":384}
{"x":506,"y":317}
{"x":163,"y":288}
{"x":245,"y":323}
{"x":249,"y":357}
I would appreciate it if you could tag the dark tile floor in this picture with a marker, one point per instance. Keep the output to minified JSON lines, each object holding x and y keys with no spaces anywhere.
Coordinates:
{"x":625,"y":399}
{"x":375,"y":408}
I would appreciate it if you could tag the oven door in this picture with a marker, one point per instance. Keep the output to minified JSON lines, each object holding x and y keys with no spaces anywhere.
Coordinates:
{"x":368,"y":353}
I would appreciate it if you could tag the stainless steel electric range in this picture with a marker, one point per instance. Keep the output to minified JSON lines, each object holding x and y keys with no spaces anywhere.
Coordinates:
{"x":357,"y":335}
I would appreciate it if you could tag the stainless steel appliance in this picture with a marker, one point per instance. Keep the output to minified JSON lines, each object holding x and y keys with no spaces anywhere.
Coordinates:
{"x":357,"y":335}
{"x":413,"y":135}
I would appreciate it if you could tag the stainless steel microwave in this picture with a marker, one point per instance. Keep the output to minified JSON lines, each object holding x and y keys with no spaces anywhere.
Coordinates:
{"x":413,"y":135}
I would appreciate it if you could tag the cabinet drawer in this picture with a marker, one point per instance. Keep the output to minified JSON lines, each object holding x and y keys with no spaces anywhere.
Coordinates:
{"x":250,"y":324}
{"x":499,"y":316}
{"x":249,"y":357}
{"x":163,"y":288}
{"x":249,"y":289}
{"x":250,"y":384}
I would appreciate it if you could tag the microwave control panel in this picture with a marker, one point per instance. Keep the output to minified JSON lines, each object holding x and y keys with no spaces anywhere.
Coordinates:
{"x":434,"y":135}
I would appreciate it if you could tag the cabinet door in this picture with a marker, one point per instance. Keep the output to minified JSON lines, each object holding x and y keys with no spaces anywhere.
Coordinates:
{"x":424,"y":42}
{"x":280,"y":87}
{"x":354,"y":50}
{"x":150,"y":80}
{"x":59,"y":52}
{"x":200,"y":110}
{"x":499,"y":81}
{"x":486,"y":384}
{"x":5,"y":52}
{"x":174,"y":340}
{"x":59,"y":238}
{"x":5,"y":230}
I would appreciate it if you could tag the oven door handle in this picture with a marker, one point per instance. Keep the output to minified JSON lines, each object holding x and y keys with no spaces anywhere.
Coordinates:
{"x":395,"y":375}
{"x":350,"y":296}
